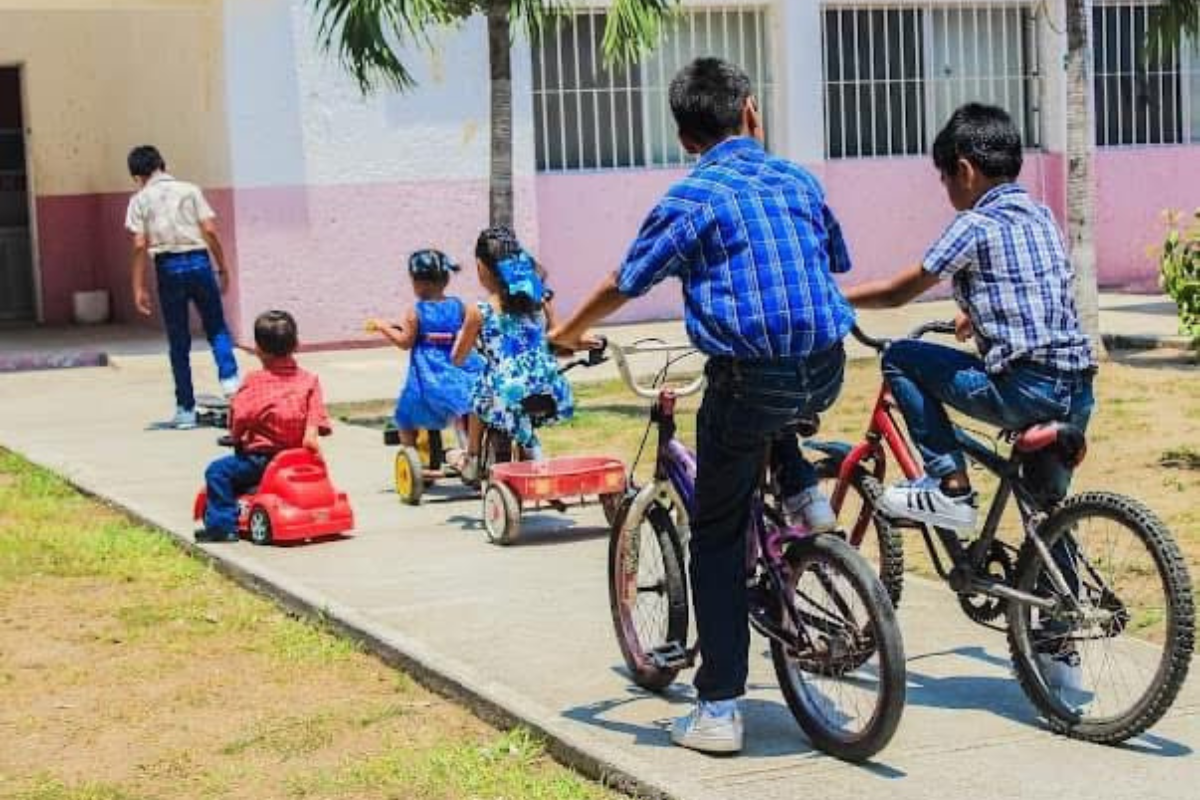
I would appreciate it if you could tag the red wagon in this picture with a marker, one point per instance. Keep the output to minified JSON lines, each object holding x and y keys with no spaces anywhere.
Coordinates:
{"x":513,"y":485}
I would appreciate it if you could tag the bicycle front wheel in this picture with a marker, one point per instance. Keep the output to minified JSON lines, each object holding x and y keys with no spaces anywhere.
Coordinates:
{"x":647,"y":595}
{"x":843,"y":673}
{"x":1109,"y":661}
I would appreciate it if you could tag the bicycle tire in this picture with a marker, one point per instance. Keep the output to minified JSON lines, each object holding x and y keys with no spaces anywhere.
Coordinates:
{"x":664,"y":538}
{"x":1180,"y":620}
{"x":889,"y":539}
{"x":839,"y":557}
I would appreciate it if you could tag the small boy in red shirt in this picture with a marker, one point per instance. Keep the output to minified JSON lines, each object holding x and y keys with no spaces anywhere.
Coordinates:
{"x":277,"y":408}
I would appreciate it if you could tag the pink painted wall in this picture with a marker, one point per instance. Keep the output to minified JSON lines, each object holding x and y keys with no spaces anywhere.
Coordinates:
{"x":82,"y":245}
{"x":1134,"y":187}
{"x":890,"y":209}
{"x":336,"y":255}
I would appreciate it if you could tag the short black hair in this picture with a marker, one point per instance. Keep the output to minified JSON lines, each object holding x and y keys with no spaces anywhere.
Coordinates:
{"x":984,"y":135}
{"x":145,"y":160}
{"x":707,"y":98}
{"x":493,"y":246}
{"x":275,"y":333}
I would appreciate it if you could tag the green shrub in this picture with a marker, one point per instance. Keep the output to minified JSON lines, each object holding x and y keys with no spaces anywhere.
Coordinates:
{"x":1179,"y":268}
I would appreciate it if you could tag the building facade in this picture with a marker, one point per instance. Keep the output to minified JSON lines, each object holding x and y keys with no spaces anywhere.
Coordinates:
{"x":322,"y":192}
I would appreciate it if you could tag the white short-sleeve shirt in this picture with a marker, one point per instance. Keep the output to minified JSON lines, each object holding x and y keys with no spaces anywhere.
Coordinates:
{"x":169,"y":212}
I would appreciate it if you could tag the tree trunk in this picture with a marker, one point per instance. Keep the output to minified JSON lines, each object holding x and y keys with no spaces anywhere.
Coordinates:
{"x":500,"y":179}
{"x":1081,"y":184}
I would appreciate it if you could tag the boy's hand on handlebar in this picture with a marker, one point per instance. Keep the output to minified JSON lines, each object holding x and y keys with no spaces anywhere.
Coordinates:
{"x":569,"y":344}
{"x":963,"y":330}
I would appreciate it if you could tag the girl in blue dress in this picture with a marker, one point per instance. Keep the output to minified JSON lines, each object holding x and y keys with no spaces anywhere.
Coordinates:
{"x":438,"y":392}
{"x":509,"y":329}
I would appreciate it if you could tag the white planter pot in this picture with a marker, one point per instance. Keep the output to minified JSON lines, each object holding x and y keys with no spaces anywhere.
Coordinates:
{"x":90,"y":308}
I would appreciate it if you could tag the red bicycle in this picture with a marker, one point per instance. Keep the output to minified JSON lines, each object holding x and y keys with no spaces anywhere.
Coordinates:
{"x":1096,"y":596}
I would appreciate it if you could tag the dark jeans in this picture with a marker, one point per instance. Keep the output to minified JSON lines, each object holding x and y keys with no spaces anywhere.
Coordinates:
{"x":188,"y":278}
{"x":225,"y":479}
{"x":745,"y":405}
{"x":924,"y":376}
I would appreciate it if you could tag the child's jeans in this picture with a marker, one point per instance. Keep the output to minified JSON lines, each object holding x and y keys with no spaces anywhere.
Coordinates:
{"x":924,"y":376}
{"x":226,"y":478}
{"x":185,"y":278}
{"x":746,"y":404}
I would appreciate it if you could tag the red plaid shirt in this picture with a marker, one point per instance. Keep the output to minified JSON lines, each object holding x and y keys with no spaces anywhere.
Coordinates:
{"x":275,"y":406}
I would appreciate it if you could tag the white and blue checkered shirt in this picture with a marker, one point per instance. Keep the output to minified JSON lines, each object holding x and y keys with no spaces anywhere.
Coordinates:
{"x":1012,"y":277}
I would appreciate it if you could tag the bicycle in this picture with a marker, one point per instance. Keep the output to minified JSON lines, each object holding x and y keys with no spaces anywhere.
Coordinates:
{"x":835,"y":644}
{"x":1059,"y":593}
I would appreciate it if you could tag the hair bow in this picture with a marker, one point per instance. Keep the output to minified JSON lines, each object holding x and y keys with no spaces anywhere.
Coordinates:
{"x":520,"y":276}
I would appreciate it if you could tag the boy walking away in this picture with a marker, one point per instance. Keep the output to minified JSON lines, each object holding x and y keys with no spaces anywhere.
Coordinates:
{"x":280,"y":407}
{"x":753,"y":243}
{"x":1012,"y":283}
{"x":172,"y":223}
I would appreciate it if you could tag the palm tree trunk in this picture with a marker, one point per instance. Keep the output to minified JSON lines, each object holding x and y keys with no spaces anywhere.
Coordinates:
{"x":500,"y":179}
{"x":1081,"y":183}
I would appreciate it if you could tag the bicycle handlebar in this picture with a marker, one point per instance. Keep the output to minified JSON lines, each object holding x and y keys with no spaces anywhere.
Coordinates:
{"x":621,"y":353}
{"x":943,"y":327}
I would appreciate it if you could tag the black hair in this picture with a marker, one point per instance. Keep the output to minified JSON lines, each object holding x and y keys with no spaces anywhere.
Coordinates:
{"x":432,"y":266}
{"x":493,"y":246}
{"x":984,"y":135}
{"x":275,"y":333}
{"x":145,"y":160}
{"x":707,"y":99}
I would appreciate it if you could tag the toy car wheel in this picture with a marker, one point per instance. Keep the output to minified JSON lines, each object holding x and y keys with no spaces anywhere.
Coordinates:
{"x":260,"y":526}
{"x":501,"y":514}
{"x":409,"y":481}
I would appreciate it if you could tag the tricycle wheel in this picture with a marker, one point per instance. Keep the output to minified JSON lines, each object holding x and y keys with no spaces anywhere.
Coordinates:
{"x":409,"y":481}
{"x":501,"y":514}
{"x":260,"y":526}
{"x":611,"y":503}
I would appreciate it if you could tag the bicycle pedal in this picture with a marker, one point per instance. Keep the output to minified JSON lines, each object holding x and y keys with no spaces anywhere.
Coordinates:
{"x":671,"y":655}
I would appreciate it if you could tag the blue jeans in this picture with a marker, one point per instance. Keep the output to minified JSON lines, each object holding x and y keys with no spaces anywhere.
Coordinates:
{"x":924,"y":376}
{"x":184,"y":278}
{"x":224,"y":480}
{"x":746,"y":404}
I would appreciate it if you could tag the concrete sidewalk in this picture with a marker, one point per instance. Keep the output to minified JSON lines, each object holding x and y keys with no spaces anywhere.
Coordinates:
{"x":524,"y":632}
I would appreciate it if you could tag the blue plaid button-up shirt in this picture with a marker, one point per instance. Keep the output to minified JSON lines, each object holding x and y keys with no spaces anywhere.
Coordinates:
{"x":1012,"y":277}
{"x":754,"y":244}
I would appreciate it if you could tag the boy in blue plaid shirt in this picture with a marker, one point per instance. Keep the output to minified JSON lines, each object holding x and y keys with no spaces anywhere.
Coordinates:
{"x":1013,"y":285}
{"x":754,"y":245}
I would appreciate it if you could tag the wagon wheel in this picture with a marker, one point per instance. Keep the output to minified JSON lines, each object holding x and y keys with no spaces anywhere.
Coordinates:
{"x":260,"y":526}
{"x":501,"y":514}
{"x":409,"y":480}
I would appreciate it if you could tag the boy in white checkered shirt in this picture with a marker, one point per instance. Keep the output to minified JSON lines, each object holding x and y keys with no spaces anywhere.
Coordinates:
{"x":1012,"y":282}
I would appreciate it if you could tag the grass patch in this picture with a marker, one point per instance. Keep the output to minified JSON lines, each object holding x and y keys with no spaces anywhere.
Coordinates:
{"x":131,"y":671}
{"x":1181,"y":458}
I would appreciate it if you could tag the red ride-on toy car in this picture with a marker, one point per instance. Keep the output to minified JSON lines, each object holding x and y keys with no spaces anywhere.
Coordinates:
{"x":294,"y":501}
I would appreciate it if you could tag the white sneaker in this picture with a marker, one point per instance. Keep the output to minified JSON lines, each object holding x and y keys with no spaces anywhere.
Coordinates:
{"x":810,"y":509}
{"x":230,"y":385}
{"x":710,"y":728}
{"x":184,"y":419}
{"x":923,"y":501}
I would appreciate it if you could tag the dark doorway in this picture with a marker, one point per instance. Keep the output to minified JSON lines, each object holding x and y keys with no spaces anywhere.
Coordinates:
{"x":16,"y":251}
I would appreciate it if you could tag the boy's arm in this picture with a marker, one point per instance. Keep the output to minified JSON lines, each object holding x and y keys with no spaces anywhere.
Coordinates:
{"x":467,"y":335}
{"x":135,"y":224}
{"x":208,"y":229}
{"x":839,"y":253}
{"x":894,"y":291}
{"x":606,"y":299}
{"x":404,"y":335}
{"x":318,"y":423}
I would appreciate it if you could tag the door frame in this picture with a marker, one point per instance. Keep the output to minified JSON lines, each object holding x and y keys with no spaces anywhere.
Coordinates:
{"x":30,"y":195}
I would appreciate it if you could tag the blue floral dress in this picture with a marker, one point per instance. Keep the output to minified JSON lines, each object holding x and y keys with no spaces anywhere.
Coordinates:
{"x":519,"y":365}
{"x":436,"y":392}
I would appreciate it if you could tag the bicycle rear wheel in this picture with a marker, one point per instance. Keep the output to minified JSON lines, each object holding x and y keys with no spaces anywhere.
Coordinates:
{"x":881,"y":543}
{"x":1108,"y":669}
{"x":647,"y":595}
{"x":846,"y":686}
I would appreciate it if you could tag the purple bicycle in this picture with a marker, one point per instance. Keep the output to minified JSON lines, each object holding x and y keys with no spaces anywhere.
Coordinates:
{"x":834,"y":640}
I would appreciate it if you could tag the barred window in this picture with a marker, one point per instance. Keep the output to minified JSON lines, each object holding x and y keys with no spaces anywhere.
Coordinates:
{"x":893,"y":75}
{"x":588,"y":116}
{"x":1147,"y":91}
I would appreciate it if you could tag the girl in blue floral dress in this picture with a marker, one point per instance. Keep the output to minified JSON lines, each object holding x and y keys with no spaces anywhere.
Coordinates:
{"x":438,"y":392}
{"x":509,"y":329}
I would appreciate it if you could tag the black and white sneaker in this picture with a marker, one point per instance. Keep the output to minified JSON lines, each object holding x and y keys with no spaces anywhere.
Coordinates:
{"x":924,"y":501}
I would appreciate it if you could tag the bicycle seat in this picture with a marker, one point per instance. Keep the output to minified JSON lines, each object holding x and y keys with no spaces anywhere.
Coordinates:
{"x":1067,"y":440}
{"x":805,"y":426}
{"x":540,"y":407}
